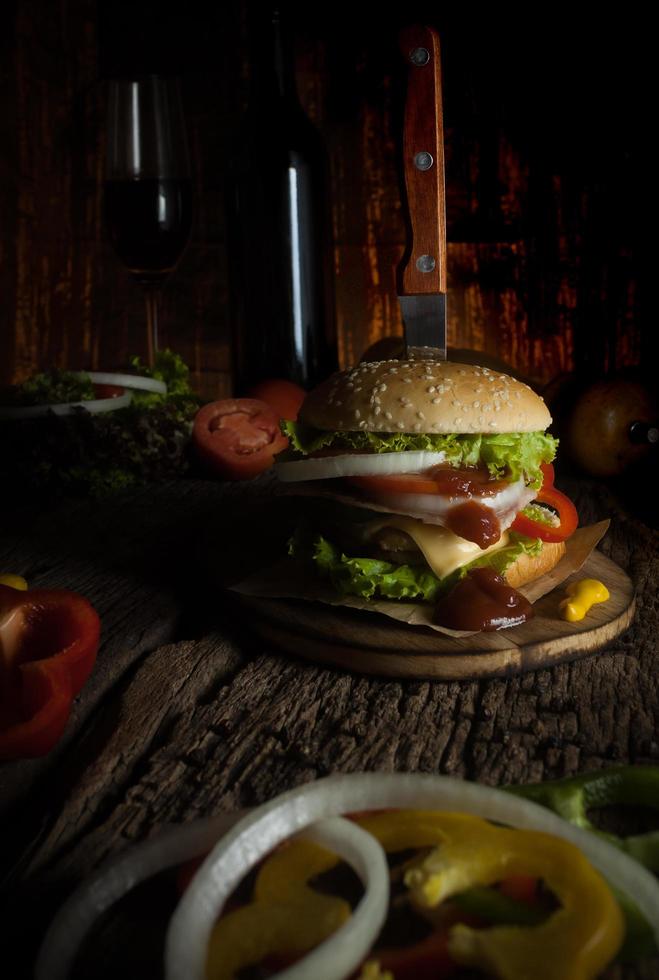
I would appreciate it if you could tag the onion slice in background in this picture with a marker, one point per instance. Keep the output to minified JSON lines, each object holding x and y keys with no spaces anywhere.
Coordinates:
{"x":262,"y":829}
{"x":93,"y":405}
{"x":114,"y":879}
{"x":137,"y":381}
{"x":357,"y":464}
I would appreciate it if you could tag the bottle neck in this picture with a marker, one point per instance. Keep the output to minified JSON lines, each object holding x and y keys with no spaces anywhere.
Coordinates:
{"x":273,"y":71}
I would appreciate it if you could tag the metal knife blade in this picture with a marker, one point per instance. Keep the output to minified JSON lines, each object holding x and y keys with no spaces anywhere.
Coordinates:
{"x":422,"y":271}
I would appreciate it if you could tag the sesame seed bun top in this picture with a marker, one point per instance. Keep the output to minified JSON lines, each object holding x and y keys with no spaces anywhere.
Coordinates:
{"x":424,"y":396}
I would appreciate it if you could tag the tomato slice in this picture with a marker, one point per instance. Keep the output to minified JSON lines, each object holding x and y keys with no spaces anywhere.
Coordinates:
{"x":397,"y":483}
{"x":447,"y":480}
{"x":237,"y":438}
{"x":567,"y":514}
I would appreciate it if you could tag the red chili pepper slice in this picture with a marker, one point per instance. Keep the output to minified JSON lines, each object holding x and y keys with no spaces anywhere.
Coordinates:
{"x":563,"y":506}
{"x":48,"y":644}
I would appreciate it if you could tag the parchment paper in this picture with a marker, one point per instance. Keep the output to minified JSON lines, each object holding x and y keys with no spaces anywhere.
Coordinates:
{"x":291,"y":579}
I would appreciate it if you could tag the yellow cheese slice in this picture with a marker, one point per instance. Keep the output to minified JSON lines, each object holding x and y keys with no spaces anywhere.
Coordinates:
{"x":443,"y":550}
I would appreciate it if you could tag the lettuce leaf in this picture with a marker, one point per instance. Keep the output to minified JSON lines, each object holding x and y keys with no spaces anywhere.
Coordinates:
{"x":511,"y":455}
{"x":371,"y":577}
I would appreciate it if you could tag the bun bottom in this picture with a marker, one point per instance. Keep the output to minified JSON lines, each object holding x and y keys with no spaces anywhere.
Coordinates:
{"x":529,"y":567}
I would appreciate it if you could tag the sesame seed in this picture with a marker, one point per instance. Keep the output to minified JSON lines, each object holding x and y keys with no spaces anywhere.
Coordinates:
{"x":358,"y":414}
{"x":403,"y":400}
{"x":388,"y":415}
{"x":436,"y":401}
{"x":420,"y":415}
{"x":492,"y":425}
{"x":455,"y":403}
{"x":358,"y":388}
{"x":488,"y":408}
{"x":417,"y":427}
{"x":461,"y":371}
{"x":362,"y":424}
{"x":407,"y":381}
{"x":477,"y":404}
{"x":383,"y":387}
{"x":377,"y":410}
{"x":338,"y":402}
{"x":457,"y":421}
{"x":376,"y":400}
{"x":400,"y":425}
{"x":480,"y":419}
{"x":431,"y":390}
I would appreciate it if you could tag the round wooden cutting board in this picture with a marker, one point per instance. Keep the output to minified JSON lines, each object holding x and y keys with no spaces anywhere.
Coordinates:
{"x":369,"y":643}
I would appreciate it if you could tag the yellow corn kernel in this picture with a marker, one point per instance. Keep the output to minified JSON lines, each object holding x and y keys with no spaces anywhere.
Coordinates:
{"x":14,"y":582}
{"x":581,"y":596}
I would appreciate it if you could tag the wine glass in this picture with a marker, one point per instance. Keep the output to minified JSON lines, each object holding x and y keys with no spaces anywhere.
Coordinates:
{"x":148,"y":190}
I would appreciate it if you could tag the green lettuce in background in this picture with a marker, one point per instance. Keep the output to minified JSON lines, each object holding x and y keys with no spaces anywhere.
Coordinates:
{"x":100,"y":454}
{"x":372,"y":577}
{"x":511,"y":454}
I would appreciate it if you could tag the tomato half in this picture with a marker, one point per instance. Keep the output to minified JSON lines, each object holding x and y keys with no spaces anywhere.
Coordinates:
{"x":283,"y":397}
{"x":237,"y":438}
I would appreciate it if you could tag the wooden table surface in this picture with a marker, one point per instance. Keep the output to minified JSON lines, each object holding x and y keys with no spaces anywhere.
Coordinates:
{"x":186,"y":715}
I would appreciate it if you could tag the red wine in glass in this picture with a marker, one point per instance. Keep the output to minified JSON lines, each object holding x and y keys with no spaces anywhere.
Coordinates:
{"x":148,"y":190}
{"x":149,"y":223}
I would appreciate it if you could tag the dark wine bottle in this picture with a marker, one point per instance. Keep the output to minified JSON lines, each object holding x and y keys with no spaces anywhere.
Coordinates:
{"x":280,"y":251}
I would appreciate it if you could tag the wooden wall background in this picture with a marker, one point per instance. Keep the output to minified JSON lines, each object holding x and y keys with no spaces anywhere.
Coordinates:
{"x":548,"y":185}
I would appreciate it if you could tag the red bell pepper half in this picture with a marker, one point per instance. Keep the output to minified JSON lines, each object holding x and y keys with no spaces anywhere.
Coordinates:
{"x":48,"y":644}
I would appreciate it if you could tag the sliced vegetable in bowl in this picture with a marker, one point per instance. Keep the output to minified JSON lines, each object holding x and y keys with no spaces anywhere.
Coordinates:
{"x":192,"y":925}
{"x":449,"y":843}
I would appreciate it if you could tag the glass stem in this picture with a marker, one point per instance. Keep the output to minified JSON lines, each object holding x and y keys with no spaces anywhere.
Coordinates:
{"x":153,"y":296}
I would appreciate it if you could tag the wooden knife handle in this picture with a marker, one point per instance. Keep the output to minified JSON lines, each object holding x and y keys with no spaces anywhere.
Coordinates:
{"x":423,"y":134}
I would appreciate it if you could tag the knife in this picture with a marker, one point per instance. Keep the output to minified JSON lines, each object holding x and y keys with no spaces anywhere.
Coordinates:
{"x":421,"y":275}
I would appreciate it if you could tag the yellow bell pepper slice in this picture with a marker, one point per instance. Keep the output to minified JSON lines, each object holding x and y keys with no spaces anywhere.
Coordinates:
{"x":285,"y":917}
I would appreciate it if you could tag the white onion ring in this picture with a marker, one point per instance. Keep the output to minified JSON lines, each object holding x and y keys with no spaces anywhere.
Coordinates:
{"x":94,"y":405}
{"x":506,"y":504}
{"x":113,"y":879}
{"x":137,"y":381}
{"x":187,"y":940}
{"x":335,"y":958}
{"x":357,"y":464}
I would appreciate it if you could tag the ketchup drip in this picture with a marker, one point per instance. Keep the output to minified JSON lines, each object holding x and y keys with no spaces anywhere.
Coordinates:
{"x":475,"y":522}
{"x":482,"y":600}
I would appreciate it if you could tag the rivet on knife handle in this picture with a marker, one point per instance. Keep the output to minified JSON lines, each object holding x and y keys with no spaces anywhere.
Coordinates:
{"x":423,"y":267}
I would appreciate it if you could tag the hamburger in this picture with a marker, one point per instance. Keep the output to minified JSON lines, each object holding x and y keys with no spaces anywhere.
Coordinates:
{"x":424,"y":471}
